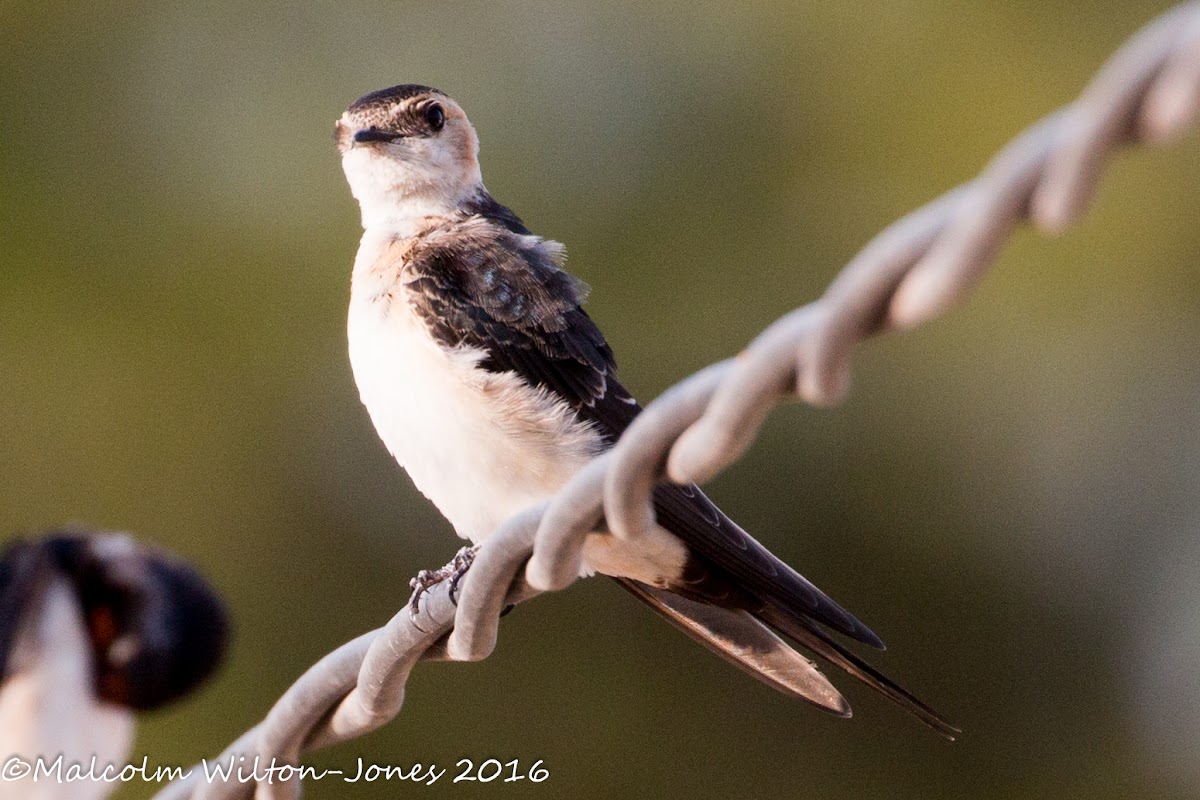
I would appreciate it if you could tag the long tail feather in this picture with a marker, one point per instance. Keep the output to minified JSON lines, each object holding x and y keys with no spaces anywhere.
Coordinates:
{"x":750,"y":645}
{"x":809,"y":635}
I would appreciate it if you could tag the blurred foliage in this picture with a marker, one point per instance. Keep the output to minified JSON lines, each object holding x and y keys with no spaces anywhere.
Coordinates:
{"x":1009,"y":497}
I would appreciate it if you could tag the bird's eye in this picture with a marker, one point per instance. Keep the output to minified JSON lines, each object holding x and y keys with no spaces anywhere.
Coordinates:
{"x":435,"y":116}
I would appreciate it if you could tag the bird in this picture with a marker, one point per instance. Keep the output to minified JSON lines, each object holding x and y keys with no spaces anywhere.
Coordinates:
{"x":491,"y":386}
{"x":95,"y":626}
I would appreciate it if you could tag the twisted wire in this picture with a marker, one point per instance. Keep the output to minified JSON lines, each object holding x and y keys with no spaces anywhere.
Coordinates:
{"x":1148,"y":92}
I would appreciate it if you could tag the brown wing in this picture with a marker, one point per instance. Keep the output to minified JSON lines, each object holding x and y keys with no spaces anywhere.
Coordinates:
{"x":481,"y":285}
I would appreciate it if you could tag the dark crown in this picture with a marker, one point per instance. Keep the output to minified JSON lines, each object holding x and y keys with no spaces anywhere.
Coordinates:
{"x":391,"y":95}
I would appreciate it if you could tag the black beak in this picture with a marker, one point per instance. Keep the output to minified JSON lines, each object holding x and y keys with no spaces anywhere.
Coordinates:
{"x":375,"y":135}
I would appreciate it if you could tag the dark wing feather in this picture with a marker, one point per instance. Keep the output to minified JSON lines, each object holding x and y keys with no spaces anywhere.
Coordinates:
{"x":687,"y":513}
{"x":487,"y":287}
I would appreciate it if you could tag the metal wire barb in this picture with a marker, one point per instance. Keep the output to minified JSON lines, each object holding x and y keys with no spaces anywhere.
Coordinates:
{"x":1148,"y":92}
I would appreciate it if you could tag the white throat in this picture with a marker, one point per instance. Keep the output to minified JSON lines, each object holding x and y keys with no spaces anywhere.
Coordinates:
{"x":401,"y":218}
{"x":396,"y":196}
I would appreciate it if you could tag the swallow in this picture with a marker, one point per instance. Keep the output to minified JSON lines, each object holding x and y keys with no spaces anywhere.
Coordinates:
{"x":95,"y":627}
{"x":491,"y":386}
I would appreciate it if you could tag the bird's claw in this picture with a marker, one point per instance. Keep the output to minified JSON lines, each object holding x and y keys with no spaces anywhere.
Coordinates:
{"x":428,"y":578}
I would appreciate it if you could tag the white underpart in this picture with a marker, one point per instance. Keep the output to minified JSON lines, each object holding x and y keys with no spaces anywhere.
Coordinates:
{"x":480,"y":445}
{"x":48,"y":706}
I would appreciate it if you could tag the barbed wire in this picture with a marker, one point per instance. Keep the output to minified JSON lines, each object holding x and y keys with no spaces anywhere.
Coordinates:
{"x":915,"y":270}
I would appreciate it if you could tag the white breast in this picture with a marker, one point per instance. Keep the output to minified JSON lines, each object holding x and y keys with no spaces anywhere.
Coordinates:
{"x":481,"y":446}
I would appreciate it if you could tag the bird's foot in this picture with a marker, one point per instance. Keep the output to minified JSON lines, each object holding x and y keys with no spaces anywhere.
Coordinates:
{"x":428,"y":578}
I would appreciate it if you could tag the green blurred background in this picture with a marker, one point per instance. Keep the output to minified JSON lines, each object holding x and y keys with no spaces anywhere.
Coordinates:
{"x":1009,"y":497}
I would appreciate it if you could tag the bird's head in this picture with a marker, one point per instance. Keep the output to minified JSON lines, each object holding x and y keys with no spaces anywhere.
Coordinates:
{"x":155,"y":627}
{"x":408,"y":151}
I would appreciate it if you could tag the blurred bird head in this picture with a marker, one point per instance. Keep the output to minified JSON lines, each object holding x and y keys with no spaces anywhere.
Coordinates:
{"x":153,"y":626}
{"x":408,"y":151}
